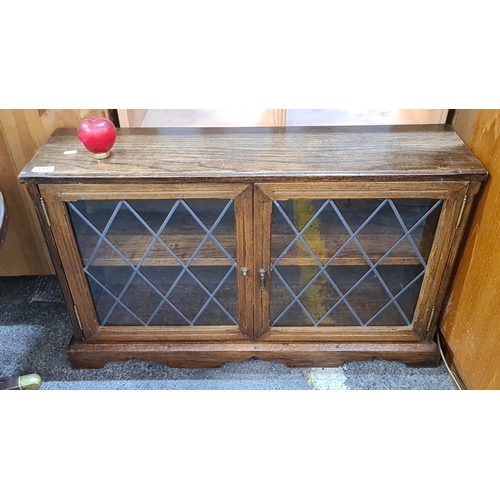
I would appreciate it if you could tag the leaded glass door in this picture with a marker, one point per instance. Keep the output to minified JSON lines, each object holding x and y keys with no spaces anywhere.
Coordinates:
{"x":157,"y":261}
{"x":347,"y":263}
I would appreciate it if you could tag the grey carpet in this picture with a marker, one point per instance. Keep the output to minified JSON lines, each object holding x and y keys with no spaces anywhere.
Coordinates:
{"x":35,"y":332}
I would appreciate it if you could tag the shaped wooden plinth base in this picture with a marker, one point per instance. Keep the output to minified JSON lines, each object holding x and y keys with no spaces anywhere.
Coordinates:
{"x":213,"y":355}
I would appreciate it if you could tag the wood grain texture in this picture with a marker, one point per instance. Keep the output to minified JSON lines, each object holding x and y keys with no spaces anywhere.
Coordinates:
{"x":71,"y":261}
{"x":338,"y":190}
{"x":462,"y":122}
{"x":22,"y":133}
{"x":107,"y":334}
{"x":425,"y":152}
{"x":243,"y":206}
{"x":53,"y":119}
{"x":471,"y":318}
{"x":453,"y":254}
{"x":144,"y":191}
{"x":214,"y":354}
{"x":341,"y":334}
{"x":24,"y":251}
{"x":425,"y":316}
{"x":183,"y":245}
{"x":262,"y":250}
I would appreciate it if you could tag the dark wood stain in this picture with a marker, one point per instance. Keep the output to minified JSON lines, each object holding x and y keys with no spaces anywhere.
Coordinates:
{"x":238,"y":154}
{"x":257,"y":167}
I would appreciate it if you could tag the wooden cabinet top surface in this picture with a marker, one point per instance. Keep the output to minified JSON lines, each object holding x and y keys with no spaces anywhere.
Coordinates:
{"x":418,"y":152}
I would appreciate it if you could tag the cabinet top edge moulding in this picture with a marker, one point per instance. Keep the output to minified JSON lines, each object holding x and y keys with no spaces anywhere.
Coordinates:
{"x":354,"y":153}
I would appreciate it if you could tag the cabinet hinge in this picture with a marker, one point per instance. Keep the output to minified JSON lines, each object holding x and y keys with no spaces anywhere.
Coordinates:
{"x":44,"y":208}
{"x":431,"y":318}
{"x":78,"y":318}
{"x":461,"y":214}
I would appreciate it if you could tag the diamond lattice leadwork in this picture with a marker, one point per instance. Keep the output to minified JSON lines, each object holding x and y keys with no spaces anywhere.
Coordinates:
{"x":146,"y":261}
{"x":345,"y":248}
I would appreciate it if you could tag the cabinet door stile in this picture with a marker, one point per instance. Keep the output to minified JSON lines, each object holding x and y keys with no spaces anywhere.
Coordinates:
{"x":262,"y":245}
{"x":454,"y":252}
{"x":70,"y":258}
{"x":445,"y":233}
{"x":439,"y":265}
{"x":243,"y":206}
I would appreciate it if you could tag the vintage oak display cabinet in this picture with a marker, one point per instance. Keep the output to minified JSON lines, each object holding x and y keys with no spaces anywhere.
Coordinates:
{"x":307,"y":246}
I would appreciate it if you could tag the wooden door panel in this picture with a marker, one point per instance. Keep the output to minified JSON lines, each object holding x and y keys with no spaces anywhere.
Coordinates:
{"x":319,"y":259}
{"x":125,"y":265}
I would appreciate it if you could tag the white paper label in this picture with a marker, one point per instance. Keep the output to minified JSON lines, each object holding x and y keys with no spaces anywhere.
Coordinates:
{"x":72,"y":152}
{"x":48,"y":168}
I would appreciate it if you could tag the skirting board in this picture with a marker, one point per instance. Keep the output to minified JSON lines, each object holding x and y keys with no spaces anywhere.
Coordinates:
{"x":213,"y":355}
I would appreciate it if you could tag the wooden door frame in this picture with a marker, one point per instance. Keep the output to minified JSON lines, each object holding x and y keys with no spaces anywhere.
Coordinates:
{"x":55,"y":197}
{"x":436,"y":276}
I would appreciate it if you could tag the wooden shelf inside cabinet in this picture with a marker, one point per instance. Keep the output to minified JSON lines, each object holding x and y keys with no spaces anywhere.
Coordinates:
{"x":353,"y":232}
{"x":183,"y":249}
{"x":309,"y":246}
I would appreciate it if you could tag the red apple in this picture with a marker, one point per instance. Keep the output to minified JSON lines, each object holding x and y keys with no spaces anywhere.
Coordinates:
{"x":98,"y":135}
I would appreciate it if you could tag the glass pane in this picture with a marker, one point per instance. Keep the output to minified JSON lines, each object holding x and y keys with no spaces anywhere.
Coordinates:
{"x":349,"y":262}
{"x":159,"y":262}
